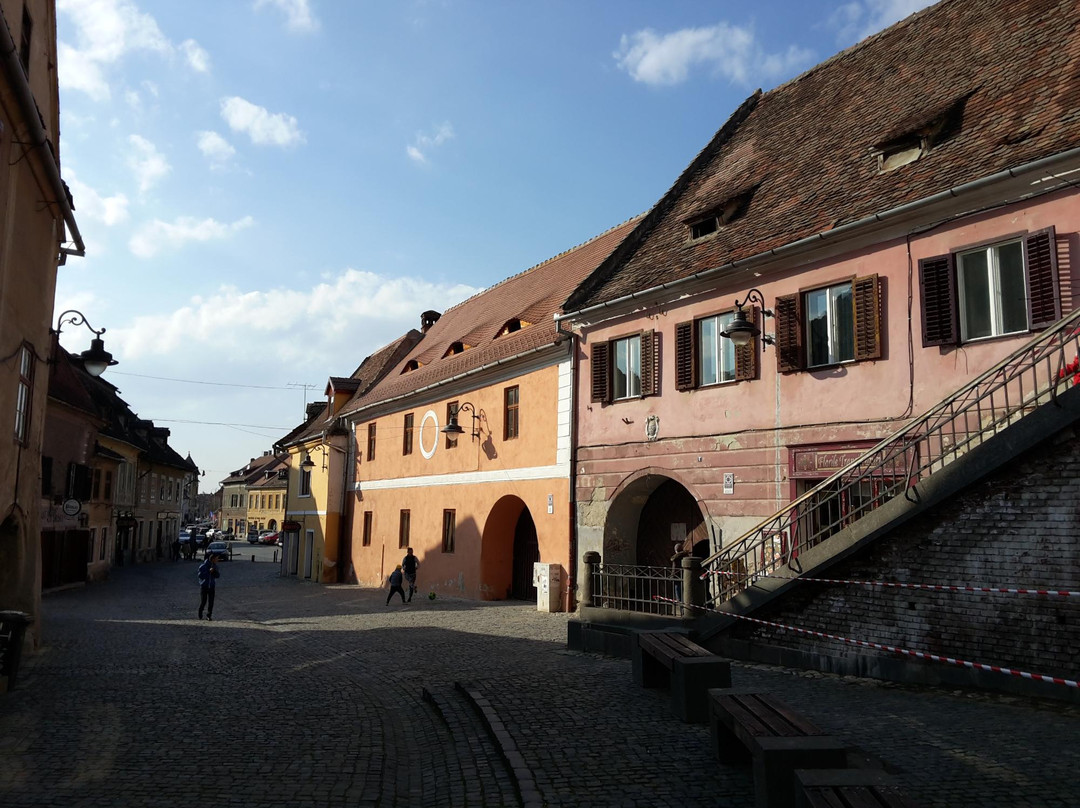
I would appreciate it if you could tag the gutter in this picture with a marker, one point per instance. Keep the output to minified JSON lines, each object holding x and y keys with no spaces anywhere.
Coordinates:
{"x":9,"y":56}
{"x":829,"y":235}
{"x":571,"y":572}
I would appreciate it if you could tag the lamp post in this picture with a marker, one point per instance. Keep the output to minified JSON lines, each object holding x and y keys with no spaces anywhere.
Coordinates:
{"x":741,"y":330}
{"x":95,"y":359}
{"x":454,"y":428}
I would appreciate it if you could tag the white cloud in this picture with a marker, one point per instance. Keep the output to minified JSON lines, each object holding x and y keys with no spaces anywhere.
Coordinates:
{"x":197,"y":58}
{"x":215,"y":148}
{"x":157,"y":235}
{"x":263,"y":127}
{"x":726,"y":50}
{"x":297,"y":13}
{"x":109,"y":210}
{"x":423,"y":144}
{"x":859,"y":19}
{"x":147,"y":162}
{"x":338,"y":320}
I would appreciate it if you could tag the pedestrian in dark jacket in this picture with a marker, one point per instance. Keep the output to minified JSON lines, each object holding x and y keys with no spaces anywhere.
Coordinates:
{"x":208,"y":575}
{"x":395,"y":585}
{"x":408,"y":566}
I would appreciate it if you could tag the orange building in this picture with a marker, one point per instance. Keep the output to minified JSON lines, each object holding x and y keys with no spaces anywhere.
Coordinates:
{"x":463,"y":450}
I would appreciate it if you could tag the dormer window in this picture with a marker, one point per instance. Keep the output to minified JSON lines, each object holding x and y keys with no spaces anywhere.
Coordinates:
{"x":510,"y":326}
{"x":456,"y":348}
{"x":410,"y":366}
{"x":721,"y":215}
{"x":914,"y":139}
{"x":901,"y":152}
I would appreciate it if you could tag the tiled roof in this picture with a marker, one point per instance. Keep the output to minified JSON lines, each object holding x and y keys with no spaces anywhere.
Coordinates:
{"x":533,"y":296}
{"x":1001,"y":76}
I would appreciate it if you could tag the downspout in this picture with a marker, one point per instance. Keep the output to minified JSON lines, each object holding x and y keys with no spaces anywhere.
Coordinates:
{"x":37,"y":137}
{"x":571,"y":572}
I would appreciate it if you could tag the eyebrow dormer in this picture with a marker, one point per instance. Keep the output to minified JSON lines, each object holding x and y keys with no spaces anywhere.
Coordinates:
{"x":705,"y":224}
{"x":512,"y":325}
{"x":455,"y":348}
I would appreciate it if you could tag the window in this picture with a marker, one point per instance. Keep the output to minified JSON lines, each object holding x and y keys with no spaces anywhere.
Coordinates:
{"x":451,"y":413}
{"x":108,"y":486}
{"x":25,"y":38}
{"x":371,"y":442}
{"x":625,"y":368}
{"x":95,"y":486}
{"x":723,"y":214}
{"x":830,"y":326}
{"x":449,"y":517}
{"x":407,"y":435}
{"x":104,"y":541}
{"x":91,"y":544}
{"x":305,"y":482}
{"x":827,"y":326}
{"x":511,"y":424}
{"x":367,"y":529}
{"x":277,"y":502}
{"x":46,"y":476}
{"x":1010,"y":287}
{"x":703,"y":357}
{"x":24,"y":395}
{"x":403,"y":528}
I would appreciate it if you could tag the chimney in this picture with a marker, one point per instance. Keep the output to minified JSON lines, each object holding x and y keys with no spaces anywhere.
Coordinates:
{"x":428,"y":319}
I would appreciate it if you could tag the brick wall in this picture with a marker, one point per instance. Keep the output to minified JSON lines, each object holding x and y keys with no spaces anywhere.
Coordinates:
{"x":1019,"y":528}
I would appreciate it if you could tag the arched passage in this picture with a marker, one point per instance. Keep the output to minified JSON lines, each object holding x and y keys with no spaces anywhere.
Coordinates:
{"x":651,"y":517}
{"x":508,"y":549}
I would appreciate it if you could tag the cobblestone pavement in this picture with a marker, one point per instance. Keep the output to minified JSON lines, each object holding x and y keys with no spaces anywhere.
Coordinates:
{"x":298,"y":695}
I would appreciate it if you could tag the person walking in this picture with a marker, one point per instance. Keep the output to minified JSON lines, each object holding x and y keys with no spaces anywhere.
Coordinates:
{"x":208,"y":575}
{"x":395,"y":585}
{"x":409,"y":565}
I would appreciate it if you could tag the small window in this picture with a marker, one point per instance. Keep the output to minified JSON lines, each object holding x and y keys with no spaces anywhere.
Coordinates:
{"x":410,"y":366}
{"x":456,"y":348}
{"x":830,"y":326}
{"x":716,"y":354}
{"x":511,"y":423}
{"x":451,"y":413}
{"x":46,"y":476}
{"x":91,"y":545}
{"x":371,"y":442}
{"x":512,"y":325}
{"x":449,"y":521}
{"x":108,"y":486}
{"x":104,"y":540}
{"x":305,"y":482}
{"x":366,"y":540}
{"x":407,"y":435}
{"x":723,"y":214}
{"x":626,"y":382}
{"x":95,"y":486}
{"x":624,"y":368}
{"x":993,"y":295}
{"x":24,"y":395}
{"x":403,"y":528}
{"x":704,"y":227}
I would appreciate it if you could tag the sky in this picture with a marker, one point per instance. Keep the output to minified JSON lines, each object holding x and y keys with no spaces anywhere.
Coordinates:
{"x":271,"y":190}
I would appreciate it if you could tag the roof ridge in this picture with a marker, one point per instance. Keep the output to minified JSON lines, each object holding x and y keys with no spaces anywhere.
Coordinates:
{"x":567,"y":251}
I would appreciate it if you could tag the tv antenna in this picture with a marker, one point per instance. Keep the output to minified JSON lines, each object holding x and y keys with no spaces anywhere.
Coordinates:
{"x":305,"y":387}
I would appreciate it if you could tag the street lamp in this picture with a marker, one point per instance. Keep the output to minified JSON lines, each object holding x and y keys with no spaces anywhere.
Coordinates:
{"x":95,"y":359}
{"x":454,"y":428}
{"x":307,"y":464}
{"x":741,"y":330}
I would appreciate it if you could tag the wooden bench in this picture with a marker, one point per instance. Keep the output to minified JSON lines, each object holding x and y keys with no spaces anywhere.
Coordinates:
{"x":778,"y":740}
{"x":847,"y":788}
{"x":667,"y":659}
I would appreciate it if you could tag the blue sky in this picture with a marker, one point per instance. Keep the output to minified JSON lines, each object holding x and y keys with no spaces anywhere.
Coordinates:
{"x":270,"y":190}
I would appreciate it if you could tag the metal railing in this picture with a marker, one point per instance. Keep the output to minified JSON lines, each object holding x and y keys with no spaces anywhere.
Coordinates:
{"x":1030,"y":377}
{"x":648,"y":590}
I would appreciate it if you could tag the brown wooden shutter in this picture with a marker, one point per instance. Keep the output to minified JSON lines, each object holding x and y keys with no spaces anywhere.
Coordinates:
{"x":789,"y":333}
{"x":746,"y":355}
{"x":601,"y":372}
{"x":1044,"y":299}
{"x":685,"y":356}
{"x":940,"y":318}
{"x":865,"y":294}
{"x":650,"y":367}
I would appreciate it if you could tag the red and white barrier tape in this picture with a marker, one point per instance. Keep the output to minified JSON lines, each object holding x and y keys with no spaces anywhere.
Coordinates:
{"x":1003,"y":590}
{"x":1038,"y":677}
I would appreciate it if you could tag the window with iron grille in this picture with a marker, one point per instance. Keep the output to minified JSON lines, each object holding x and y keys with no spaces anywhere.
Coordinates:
{"x":449,"y":525}
{"x":511,"y":422}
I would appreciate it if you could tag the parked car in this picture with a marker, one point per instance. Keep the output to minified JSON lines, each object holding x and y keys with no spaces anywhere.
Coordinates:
{"x":185,"y":538}
{"x":266,"y":537}
{"x":253,"y":538}
{"x":219,"y":548}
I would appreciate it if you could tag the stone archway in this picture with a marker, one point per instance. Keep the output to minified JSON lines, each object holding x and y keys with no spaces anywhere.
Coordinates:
{"x":508,"y":549}
{"x":649,"y":517}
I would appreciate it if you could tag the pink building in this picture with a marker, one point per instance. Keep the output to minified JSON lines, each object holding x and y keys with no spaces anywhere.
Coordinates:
{"x":893,"y":222}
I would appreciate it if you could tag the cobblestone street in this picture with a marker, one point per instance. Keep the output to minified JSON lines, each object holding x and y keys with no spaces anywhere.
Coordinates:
{"x":298,"y":695}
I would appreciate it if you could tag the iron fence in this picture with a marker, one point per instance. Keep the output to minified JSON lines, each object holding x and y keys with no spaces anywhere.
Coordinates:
{"x":634,"y":588}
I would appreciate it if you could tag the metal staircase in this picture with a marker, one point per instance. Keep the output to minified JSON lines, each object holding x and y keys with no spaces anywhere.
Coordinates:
{"x":915,"y":467}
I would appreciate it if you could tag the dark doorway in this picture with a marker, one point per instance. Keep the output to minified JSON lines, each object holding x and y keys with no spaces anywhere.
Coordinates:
{"x":526,"y":553}
{"x":670,"y":520}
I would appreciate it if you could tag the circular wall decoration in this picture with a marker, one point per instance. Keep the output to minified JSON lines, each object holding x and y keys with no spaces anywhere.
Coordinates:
{"x":72,"y":507}
{"x":429,"y":453}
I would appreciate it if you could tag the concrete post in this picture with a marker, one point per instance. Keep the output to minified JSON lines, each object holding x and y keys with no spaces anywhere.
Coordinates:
{"x":693,"y":588}
{"x":591,"y":560}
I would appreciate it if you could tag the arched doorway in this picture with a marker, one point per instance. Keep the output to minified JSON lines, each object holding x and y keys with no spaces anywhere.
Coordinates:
{"x":272,"y":525}
{"x":509,"y":548}
{"x":652,"y":517}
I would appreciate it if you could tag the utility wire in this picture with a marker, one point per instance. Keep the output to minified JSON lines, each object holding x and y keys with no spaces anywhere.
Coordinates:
{"x":196,"y":381}
{"x":221,"y":423}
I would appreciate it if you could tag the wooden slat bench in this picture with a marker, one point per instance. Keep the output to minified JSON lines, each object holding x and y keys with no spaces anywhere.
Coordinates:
{"x":664,"y":658}
{"x":847,"y":788}
{"x":778,"y":740}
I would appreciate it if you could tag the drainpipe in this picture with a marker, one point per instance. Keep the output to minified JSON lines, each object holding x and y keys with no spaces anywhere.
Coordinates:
{"x":571,"y":573}
{"x":38,"y":139}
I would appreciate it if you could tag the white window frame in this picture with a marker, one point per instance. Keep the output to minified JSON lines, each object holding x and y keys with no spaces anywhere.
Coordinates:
{"x":832,"y":324}
{"x":24,"y":395}
{"x":993,"y":270}
{"x":626,"y":358}
{"x":722,"y":349}
{"x":305,"y":483}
